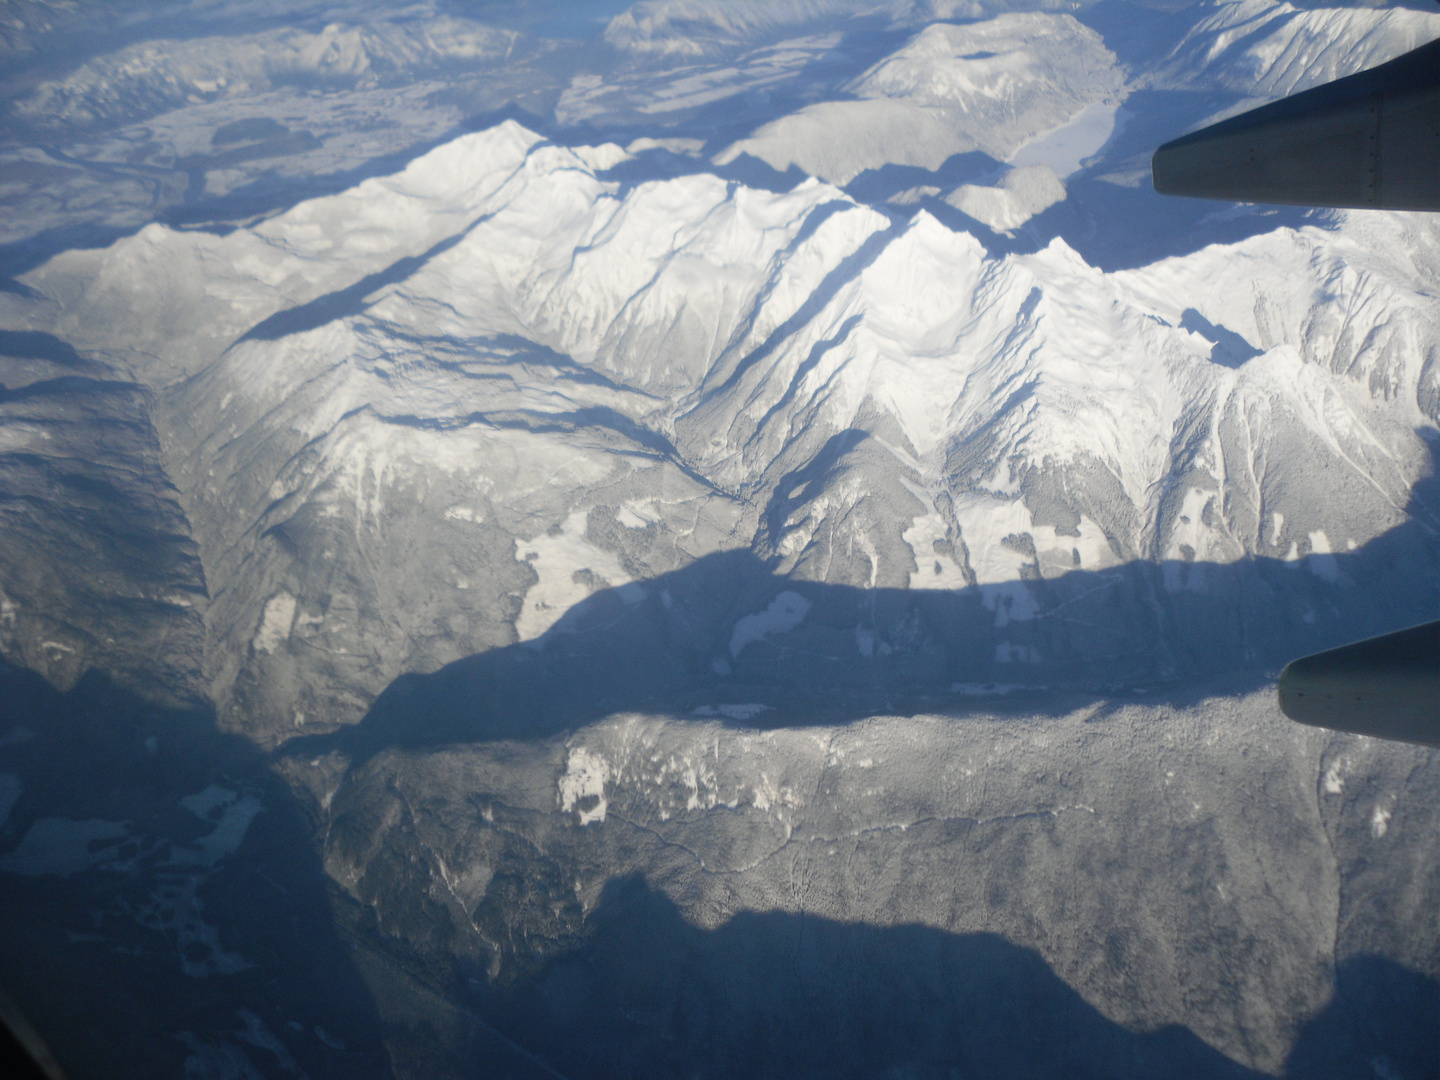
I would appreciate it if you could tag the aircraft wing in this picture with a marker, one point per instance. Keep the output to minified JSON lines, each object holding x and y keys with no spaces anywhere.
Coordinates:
{"x":1387,"y":686}
{"x":1368,"y":140}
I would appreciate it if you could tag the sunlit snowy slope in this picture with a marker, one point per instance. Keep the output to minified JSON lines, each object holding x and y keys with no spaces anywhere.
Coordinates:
{"x":725,"y":462}
{"x":683,"y":366}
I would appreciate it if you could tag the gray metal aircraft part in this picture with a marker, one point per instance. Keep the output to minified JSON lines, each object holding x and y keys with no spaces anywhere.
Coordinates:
{"x":1387,"y":686}
{"x":1370,"y":140}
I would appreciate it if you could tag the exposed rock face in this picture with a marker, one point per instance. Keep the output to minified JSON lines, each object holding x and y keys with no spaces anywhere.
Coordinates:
{"x":97,"y":564}
{"x":621,"y":608}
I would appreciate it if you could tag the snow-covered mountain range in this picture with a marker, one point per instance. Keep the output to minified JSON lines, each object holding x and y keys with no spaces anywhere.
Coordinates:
{"x":482,"y":418}
{"x":684,"y":366}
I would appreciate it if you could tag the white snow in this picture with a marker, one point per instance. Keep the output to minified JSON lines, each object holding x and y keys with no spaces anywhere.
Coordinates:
{"x":275,"y":623}
{"x":638,"y":513}
{"x":569,"y":568}
{"x":1321,"y":562}
{"x":202,"y":803}
{"x":1380,"y":821}
{"x":236,"y":813}
{"x":648,"y":92}
{"x":1065,"y":148}
{"x":934,"y":570}
{"x":1268,"y":50}
{"x":600,"y":158}
{"x":993,"y":85}
{"x":692,"y":28}
{"x":585,"y":777}
{"x":667,"y":289}
{"x":1335,"y":776}
{"x":440,"y":384}
{"x":785,"y":612}
{"x":1021,"y":194}
{"x":191,"y":70}
{"x":1011,"y":601}
{"x":548,"y":339}
{"x":1020,"y":66}
{"x":677,"y":145}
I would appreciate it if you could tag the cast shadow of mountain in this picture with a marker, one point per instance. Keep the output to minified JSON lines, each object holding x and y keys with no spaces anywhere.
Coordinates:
{"x":1383,"y":1021}
{"x":272,"y":192}
{"x":105,"y":956}
{"x":277,"y":190}
{"x":1228,"y":348}
{"x":1115,"y":220}
{"x":773,"y":994}
{"x":35,"y":345}
{"x":726,"y":631}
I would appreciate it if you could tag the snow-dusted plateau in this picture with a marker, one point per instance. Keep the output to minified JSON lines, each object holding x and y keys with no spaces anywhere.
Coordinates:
{"x":705,"y":539}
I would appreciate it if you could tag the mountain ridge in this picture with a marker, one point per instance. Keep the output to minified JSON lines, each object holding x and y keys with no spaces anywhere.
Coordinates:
{"x":504,"y":571}
{"x":730,"y":335}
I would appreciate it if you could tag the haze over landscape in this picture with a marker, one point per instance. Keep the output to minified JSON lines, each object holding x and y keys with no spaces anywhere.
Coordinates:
{"x":700,"y":538}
